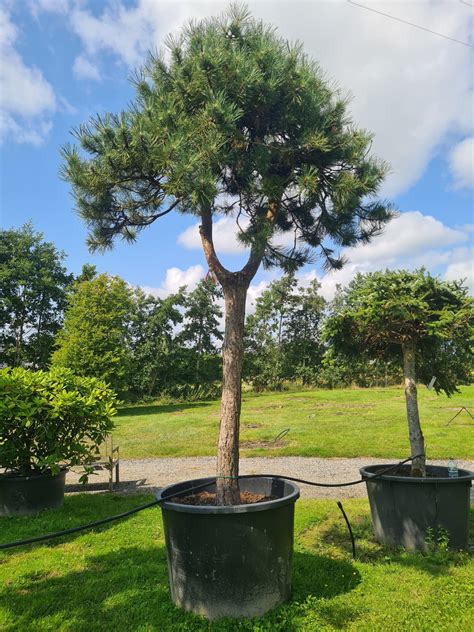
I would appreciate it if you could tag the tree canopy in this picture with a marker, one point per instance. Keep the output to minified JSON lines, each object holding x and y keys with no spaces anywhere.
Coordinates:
{"x":381,"y":311}
{"x":94,"y":341}
{"x":33,"y":289}
{"x":231,"y":120}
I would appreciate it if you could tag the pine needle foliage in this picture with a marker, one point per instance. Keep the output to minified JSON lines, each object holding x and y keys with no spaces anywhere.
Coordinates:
{"x":380,"y":312}
{"x":232,"y":119}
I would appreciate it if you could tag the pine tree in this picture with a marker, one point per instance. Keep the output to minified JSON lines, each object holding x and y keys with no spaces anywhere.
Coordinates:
{"x":424,"y":323}
{"x":232,"y":121}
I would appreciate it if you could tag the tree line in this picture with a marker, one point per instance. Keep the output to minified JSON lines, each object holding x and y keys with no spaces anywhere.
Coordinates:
{"x":145,"y":346}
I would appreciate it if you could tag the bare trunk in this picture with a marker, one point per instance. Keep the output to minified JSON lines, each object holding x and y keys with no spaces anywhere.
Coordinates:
{"x":235,"y":285}
{"x":417,"y":441}
{"x":232,"y":355}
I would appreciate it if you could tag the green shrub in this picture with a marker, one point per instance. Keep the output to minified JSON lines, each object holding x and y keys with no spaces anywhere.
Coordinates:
{"x":50,"y":420}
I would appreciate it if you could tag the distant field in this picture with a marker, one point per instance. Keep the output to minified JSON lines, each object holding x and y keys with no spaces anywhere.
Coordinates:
{"x":337,"y":423}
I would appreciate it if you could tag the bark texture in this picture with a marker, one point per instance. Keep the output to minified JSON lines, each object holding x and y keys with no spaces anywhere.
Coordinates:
{"x":235,"y":285}
{"x":417,"y":442}
{"x":232,"y":356}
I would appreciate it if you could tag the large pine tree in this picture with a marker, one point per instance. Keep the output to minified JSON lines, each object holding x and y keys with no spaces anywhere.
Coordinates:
{"x":232,"y":121}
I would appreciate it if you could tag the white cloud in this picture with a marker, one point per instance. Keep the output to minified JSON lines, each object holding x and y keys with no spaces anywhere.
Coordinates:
{"x":127,"y":32}
{"x":224,"y":234}
{"x":462,"y":267}
{"x":84,"y":69}
{"x":27,"y":99}
{"x":461,"y":162}
{"x":410,"y":88}
{"x":176,"y":278}
{"x":408,"y":235}
{"x":48,"y":6}
{"x":409,"y":241}
{"x":253,"y":293}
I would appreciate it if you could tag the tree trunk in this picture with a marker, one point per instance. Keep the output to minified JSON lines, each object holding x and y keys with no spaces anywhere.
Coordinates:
{"x":417,"y":441}
{"x":235,"y":295}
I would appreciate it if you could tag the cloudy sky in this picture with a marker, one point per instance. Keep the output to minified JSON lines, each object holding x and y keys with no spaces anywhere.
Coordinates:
{"x":63,"y":61}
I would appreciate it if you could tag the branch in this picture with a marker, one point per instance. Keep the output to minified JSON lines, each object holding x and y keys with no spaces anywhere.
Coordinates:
{"x":205,"y":231}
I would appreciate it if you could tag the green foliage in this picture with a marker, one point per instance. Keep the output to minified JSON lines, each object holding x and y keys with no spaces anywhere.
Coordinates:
{"x":201,"y":332}
{"x":234,"y":120}
{"x":51,"y":419}
{"x":154,"y":355}
{"x":283,"y":334}
{"x":33,"y":288}
{"x":380,"y":312}
{"x":339,"y":371}
{"x":95,"y":339}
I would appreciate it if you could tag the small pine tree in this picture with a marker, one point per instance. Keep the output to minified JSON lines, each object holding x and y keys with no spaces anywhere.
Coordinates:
{"x":425,"y":323}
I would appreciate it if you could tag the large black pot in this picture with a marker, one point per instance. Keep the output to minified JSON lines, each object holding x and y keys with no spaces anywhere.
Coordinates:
{"x":231,"y":561}
{"x":406,"y":509}
{"x":26,"y":495}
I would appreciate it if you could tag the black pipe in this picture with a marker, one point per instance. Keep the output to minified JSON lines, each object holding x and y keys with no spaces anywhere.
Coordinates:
{"x":339,"y":504}
{"x":185,"y":492}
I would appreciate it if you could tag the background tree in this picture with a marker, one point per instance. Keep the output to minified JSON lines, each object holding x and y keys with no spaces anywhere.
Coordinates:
{"x":302,"y":334}
{"x":265,"y":330}
{"x":283,"y":334}
{"x":155,"y":353}
{"x":95,"y":339}
{"x":33,"y":287}
{"x":234,"y":121}
{"x":422,"y":321}
{"x":201,"y":324}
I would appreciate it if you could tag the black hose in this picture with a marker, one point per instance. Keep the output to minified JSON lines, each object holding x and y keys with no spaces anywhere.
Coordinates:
{"x":305,"y":482}
{"x":96,"y":523}
{"x":339,"y":504}
{"x":184,"y":492}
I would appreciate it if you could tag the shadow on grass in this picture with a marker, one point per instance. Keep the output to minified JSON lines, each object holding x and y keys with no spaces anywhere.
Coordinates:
{"x":127,"y":589}
{"x":156,"y":409}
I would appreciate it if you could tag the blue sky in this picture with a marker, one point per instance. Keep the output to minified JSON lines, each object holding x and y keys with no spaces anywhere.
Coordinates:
{"x":65,"y":60}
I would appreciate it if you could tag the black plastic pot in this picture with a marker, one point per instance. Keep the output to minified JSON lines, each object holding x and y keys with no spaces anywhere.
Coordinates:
{"x":406,"y":509}
{"x":26,"y":495}
{"x":231,"y":561}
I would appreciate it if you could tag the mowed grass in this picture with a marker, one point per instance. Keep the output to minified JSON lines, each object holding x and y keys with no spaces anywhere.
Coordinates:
{"x":116,"y":578}
{"x":325,"y":423}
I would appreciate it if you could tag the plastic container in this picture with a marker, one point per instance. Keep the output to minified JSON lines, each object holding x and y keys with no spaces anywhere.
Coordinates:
{"x":26,"y":495}
{"x":231,"y":561}
{"x":404,"y":508}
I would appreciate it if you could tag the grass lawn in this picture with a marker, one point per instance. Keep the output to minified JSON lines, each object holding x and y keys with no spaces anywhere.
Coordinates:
{"x":344,"y":423}
{"x":116,"y":578}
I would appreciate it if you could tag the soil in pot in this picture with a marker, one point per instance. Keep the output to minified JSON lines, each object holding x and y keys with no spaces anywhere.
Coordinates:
{"x":208,"y":498}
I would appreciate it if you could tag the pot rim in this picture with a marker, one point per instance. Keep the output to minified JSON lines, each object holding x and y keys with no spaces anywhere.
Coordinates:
{"x":290,"y":497}
{"x":12,"y":476}
{"x":464,"y":476}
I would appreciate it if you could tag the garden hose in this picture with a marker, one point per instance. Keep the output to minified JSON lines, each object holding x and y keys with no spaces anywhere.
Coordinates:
{"x":97,"y":523}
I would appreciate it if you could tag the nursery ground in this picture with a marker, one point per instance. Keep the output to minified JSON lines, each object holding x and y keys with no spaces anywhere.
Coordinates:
{"x":115,"y":578}
{"x":322,"y":423}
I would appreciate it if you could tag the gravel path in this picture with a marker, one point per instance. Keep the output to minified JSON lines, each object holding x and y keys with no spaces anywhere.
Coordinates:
{"x":148,"y":475}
